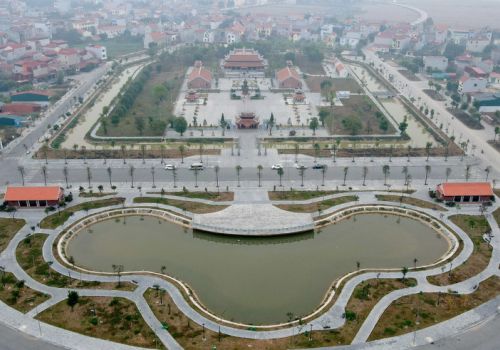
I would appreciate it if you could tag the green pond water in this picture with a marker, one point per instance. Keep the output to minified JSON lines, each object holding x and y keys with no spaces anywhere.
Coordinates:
{"x":257,"y":280}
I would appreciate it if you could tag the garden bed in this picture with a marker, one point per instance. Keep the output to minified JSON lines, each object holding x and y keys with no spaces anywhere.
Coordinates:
{"x":436,"y":96}
{"x":318,"y":206}
{"x":467,"y":119}
{"x":8,"y":229}
{"x":212,"y":196}
{"x":475,"y":227}
{"x":298,"y":195}
{"x":193,"y":207}
{"x":410,"y":200}
{"x":15,"y":294}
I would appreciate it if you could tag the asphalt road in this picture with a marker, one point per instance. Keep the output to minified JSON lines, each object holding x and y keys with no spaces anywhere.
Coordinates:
{"x":11,"y":339}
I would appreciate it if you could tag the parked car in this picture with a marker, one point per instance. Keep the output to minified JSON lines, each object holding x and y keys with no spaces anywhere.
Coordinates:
{"x":196,"y":166}
{"x":170,"y":167}
{"x":300,"y":166}
{"x":319,"y":166}
{"x":277,"y":166}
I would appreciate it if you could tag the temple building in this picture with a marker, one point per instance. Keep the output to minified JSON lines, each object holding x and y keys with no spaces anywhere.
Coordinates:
{"x":288,"y":78}
{"x":200,"y":77}
{"x":244,"y":61}
{"x":247,"y":121}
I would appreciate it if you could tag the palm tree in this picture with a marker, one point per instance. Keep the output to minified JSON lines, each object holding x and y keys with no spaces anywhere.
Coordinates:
{"x":66,"y":173}
{"x":153,"y":175}
{"x":391,"y":150}
{"x":131,"y":170}
{"x":196,"y":170}
{"x":163,"y":269}
{"x":317,"y":149}
{"x":297,"y":148}
{"x":428,"y":147}
{"x":427,"y":172}
{"x":446,"y":151}
{"x":143,"y":152}
{"x":409,"y":152}
{"x":324,"y":168}
{"x":387,"y":171}
{"x":405,"y":172}
{"x":118,"y":269}
{"x":238,"y":170}
{"x":200,"y":148}
{"x":174,"y":177}
{"x":487,"y":170}
{"x":21,"y":172}
{"x":182,"y":149}
{"x":448,"y":173}
{"x":123,"y":148}
{"x":259,"y":172}
{"x":162,"y":153}
{"x":346,"y":170}
{"x":217,"y":169}
{"x":110,"y":172}
{"x":415,"y":261}
{"x":280,"y":174}
{"x":467,"y":172}
{"x":358,"y":265}
{"x":365,"y":173}
{"x":44,"y":173}
{"x":89,"y":176}
{"x":84,"y":154}
{"x":302,"y":171}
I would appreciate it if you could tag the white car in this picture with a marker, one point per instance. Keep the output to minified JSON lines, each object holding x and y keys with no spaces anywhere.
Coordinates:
{"x":277,"y":166}
{"x":170,"y":167}
{"x":300,"y":166}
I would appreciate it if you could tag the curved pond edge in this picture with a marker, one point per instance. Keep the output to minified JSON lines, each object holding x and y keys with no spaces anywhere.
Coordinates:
{"x":68,"y":233}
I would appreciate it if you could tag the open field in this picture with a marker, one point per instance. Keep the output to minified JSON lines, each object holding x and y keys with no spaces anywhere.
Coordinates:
{"x":414,"y":312}
{"x":475,"y":227}
{"x":8,"y":229}
{"x":358,"y":115}
{"x":193,"y":207}
{"x":15,"y":294}
{"x":410,"y":200}
{"x":57,"y":219}
{"x":348,"y":84}
{"x":115,"y":319}
{"x":30,"y":258}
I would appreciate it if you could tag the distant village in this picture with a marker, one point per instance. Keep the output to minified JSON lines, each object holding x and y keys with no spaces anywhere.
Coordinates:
{"x":42,"y":46}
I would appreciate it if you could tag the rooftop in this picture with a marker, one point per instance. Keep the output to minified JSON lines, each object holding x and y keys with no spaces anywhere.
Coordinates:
{"x":465,"y":189}
{"x":48,"y":193}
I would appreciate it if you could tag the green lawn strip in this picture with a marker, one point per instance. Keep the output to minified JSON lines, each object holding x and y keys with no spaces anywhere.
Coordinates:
{"x":95,"y":194}
{"x":418,"y":311}
{"x":114,"y":319}
{"x":212,"y":196}
{"x":410,"y":200}
{"x":193,"y":207}
{"x":496,"y":215}
{"x":298,"y":195}
{"x":475,"y":227}
{"x":30,"y":258}
{"x":319,"y":206}
{"x":57,"y":219}
{"x":8,"y":229}
{"x":15,"y":294}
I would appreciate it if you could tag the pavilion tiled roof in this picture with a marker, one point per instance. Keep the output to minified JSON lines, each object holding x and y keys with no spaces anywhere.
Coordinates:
{"x":450,"y":189}
{"x":48,"y":193}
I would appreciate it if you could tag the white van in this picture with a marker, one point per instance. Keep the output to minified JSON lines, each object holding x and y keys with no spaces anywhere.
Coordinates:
{"x":197,"y":166}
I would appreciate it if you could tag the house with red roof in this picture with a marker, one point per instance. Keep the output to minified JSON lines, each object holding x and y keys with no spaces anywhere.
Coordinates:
{"x":69,"y":58}
{"x":33,"y":197}
{"x":288,"y":78}
{"x":465,"y":192}
{"x":200,"y":77}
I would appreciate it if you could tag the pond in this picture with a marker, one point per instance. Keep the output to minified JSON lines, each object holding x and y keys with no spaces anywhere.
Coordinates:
{"x":257,"y":280}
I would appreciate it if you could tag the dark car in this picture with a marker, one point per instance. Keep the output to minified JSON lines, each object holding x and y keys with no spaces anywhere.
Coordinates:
{"x":319,"y":166}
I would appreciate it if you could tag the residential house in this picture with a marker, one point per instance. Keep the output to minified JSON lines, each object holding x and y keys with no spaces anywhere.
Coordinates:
{"x":435,"y":63}
{"x":69,"y":59}
{"x":98,"y":51}
{"x":471,"y":84}
{"x":350,"y":39}
{"x":288,"y":78}
{"x":478,"y":42}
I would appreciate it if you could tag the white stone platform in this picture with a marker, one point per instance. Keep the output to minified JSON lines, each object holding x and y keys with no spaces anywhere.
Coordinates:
{"x":253,"y":220}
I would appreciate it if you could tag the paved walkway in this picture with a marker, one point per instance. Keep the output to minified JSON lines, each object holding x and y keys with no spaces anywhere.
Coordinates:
{"x":332,"y":317}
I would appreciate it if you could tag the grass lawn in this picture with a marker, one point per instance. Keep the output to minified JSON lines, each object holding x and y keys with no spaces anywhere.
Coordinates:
{"x":212,"y":196}
{"x":115,"y":319}
{"x":362,"y":109}
{"x":115,"y":48}
{"x":8,"y":229}
{"x":409,"y":200}
{"x":319,"y":206}
{"x":431,"y":308}
{"x":57,"y":219}
{"x":475,"y":227}
{"x":30,"y":258}
{"x":193,"y":207}
{"x":297,"y":195}
{"x":338,"y":84}
{"x":15,"y":294}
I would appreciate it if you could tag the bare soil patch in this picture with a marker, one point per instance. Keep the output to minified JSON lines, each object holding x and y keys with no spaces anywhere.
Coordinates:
{"x":193,"y":207}
{"x":410,"y":200}
{"x":317,"y":207}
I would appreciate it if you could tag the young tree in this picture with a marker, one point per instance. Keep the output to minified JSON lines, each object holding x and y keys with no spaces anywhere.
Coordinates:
{"x":21,"y":172}
{"x":123,"y":148}
{"x":487,"y":170}
{"x":238,"y":170}
{"x":324,"y":168}
{"x":180,"y":125}
{"x":428,"y":147}
{"x":182,"y":149}
{"x":467,"y":172}
{"x":302,"y":172}
{"x":427,"y":172}
{"x":270,"y":124}
{"x":66,"y":174}
{"x":131,"y":173}
{"x":403,"y":126}
{"x":404,"y":271}
{"x":217,"y":169}
{"x":109,"y":171}
{"x":313,"y":125}
{"x":223,"y":124}
{"x":44,"y":173}
{"x":346,"y":170}
{"x":448,"y":173}
{"x":365,"y":173}
{"x":323,"y":114}
{"x":280,"y":174}
{"x":72,"y":299}
{"x":89,"y":176}
{"x":387,"y":171}
{"x":259,"y":173}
